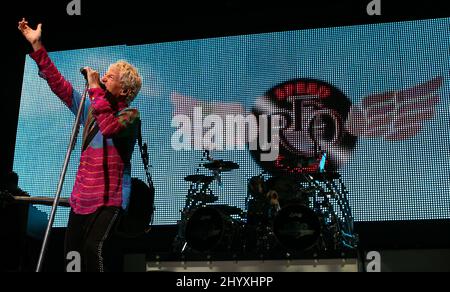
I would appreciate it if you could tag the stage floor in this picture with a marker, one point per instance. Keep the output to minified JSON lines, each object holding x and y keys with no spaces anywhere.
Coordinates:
{"x":320,"y":265}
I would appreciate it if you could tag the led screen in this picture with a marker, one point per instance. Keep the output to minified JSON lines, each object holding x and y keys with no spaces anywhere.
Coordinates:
{"x":375,"y":98}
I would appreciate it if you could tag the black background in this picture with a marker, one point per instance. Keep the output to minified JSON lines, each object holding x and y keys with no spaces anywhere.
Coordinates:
{"x":104,"y":23}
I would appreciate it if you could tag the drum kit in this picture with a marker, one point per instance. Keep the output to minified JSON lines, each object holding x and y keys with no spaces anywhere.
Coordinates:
{"x":288,"y":214}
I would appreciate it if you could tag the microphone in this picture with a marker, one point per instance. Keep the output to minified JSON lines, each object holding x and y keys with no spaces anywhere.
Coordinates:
{"x":83,"y":71}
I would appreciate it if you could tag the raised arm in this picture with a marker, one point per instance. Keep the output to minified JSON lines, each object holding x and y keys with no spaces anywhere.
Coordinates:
{"x":47,"y":70}
{"x":32,"y":36}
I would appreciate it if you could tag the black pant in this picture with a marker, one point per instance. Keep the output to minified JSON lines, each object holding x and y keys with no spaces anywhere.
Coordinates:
{"x":13,"y":241}
{"x":88,"y":234}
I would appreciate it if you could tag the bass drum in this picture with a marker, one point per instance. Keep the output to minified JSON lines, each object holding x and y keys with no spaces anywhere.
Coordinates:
{"x":297,"y":227}
{"x":209,"y":228}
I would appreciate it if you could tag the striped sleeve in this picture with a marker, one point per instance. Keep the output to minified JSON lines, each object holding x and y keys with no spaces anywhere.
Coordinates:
{"x":109,"y":123}
{"x":58,"y":84}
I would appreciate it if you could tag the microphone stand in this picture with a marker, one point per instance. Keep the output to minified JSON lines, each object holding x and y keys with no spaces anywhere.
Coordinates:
{"x":72,"y":143}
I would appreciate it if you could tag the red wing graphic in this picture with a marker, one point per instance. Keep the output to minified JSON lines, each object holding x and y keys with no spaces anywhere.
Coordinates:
{"x":396,"y":115}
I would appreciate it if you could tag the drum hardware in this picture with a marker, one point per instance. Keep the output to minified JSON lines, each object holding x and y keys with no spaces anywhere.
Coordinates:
{"x":221,"y":166}
{"x":205,"y":227}
{"x":204,"y":198}
{"x":332,"y":192}
{"x":197,"y":179}
{"x":282,"y":218}
{"x":229,"y":210}
{"x":298,"y":213}
{"x":306,"y":215}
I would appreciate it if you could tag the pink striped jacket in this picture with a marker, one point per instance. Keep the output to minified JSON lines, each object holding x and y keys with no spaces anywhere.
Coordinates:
{"x":104,"y":173}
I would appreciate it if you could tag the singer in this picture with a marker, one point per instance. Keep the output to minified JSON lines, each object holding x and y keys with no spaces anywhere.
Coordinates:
{"x":103,"y":181}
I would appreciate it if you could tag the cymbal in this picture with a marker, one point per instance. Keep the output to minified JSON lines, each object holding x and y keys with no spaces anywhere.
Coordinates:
{"x":198,"y":178}
{"x":221,"y":166}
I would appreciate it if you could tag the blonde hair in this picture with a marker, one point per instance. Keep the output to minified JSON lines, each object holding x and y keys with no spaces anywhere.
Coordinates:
{"x":129,"y":78}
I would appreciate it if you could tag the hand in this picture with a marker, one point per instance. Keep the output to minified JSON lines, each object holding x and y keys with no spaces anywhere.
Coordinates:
{"x":93,"y":78}
{"x":31,"y":35}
